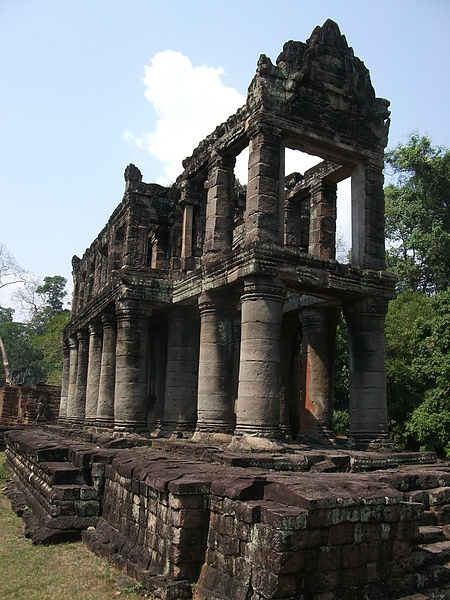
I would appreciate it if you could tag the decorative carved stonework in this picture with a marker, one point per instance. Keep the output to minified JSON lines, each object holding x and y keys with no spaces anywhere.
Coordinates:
{"x":199,"y":284}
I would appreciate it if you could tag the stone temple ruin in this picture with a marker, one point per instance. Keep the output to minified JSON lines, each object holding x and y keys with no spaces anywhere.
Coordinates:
{"x":204,"y":308}
{"x":194,"y":447}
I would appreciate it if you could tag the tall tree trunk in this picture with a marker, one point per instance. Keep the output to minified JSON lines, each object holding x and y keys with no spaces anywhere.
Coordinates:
{"x":5,"y":363}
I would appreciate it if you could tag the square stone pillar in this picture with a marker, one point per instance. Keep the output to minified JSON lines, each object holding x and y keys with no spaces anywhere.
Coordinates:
{"x":319,"y":325}
{"x":72,"y":384}
{"x":93,"y":372}
{"x":215,"y":409}
{"x":219,"y":207}
{"x":79,"y":409}
{"x":258,"y":411}
{"x":322,"y":222}
{"x":105,"y":405}
{"x":193,"y":224}
{"x":64,"y":382}
{"x":368,"y":216}
{"x":180,"y":405}
{"x":264,"y":212}
{"x":368,"y":404}
{"x":131,"y":386}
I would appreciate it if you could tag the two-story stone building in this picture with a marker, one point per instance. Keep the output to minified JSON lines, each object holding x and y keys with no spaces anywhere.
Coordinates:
{"x":207,"y":308}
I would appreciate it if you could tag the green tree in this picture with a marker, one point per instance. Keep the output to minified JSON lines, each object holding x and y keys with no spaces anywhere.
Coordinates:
{"x":47,"y":324}
{"x":19,"y":347}
{"x":429,"y":424}
{"x":418,"y":215}
{"x":405,"y":386}
{"x":49,"y":344}
{"x":53,"y":292}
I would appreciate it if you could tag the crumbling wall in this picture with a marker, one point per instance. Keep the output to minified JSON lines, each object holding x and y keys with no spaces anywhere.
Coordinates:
{"x":23,"y":405}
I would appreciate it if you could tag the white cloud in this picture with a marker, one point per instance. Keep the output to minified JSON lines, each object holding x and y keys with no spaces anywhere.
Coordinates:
{"x":189,"y":103}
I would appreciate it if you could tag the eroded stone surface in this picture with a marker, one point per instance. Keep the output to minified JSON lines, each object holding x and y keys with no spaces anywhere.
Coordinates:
{"x":192,"y":305}
{"x":198,"y":521}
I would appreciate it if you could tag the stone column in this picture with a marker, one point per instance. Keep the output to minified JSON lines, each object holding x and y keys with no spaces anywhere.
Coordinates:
{"x":290,"y":375}
{"x":191,"y":199}
{"x":368,"y":404}
{"x":264,"y":213}
{"x":259,"y":372}
{"x":105,"y":406}
{"x":215,"y":412}
{"x":180,"y":405}
{"x":131,"y":387}
{"x":64,"y":382}
{"x":80,"y":391}
{"x":219,"y":207}
{"x":368,"y":216}
{"x":73,"y":362}
{"x":318,"y":348}
{"x":93,"y":373}
{"x":322,"y":221}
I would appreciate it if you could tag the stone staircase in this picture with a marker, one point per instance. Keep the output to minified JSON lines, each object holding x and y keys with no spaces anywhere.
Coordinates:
{"x":56,"y":487}
{"x":431,"y":580}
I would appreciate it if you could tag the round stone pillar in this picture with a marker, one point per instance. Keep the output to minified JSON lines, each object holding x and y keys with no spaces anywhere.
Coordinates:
{"x":93,"y":373}
{"x":131,"y":387}
{"x":259,"y":371}
{"x":215,"y":412}
{"x":73,"y":362}
{"x":318,"y":348}
{"x":82,"y":365}
{"x":105,"y":405}
{"x":368,"y":402}
{"x":64,"y":382}
{"x":180,"y":400}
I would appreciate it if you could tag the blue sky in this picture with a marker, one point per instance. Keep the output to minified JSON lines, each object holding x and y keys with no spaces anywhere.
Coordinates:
{"x":88,"y":87}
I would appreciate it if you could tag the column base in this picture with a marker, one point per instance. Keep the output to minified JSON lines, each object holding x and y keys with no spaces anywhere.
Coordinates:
{"x":371,"y":443}
{"x":176,"y":431}
{"x":103,"y":422}
{"x":255,"y":443}
{"x":130,"y":426}
{"x":212,"y":437}
{"x":215,"y":427}
{"x":74,"y":423}
{"x":324,"y":437}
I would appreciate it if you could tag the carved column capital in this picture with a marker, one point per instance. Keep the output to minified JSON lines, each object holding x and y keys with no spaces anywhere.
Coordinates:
{"x":226,"y":162}
{"x":73,"y":342}
{"x":108,"y":319}
{"x":94,"y":329}
{"x":270,"y":288}
{"x":82,"y":336}
{"x":129,"y":308}
{"x":256,"y":125}
{"x":212,"y":302}
{"x":191,"y":192}
{"x":366,"y":307}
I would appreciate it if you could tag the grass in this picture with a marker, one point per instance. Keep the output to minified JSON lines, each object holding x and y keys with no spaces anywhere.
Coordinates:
{"x":57,"y":572}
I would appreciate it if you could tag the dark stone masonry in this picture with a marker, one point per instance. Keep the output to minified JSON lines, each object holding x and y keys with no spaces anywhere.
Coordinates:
{"x":194,"y":446}
{"x":191,"y":306}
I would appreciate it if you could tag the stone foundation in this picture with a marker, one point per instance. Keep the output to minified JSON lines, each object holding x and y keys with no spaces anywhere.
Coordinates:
{"x":189,"y":520}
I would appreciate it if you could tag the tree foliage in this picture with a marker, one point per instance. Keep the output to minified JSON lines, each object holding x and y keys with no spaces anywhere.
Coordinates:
{"x":418,"y":321}
{"x":36,"y":343}
{"x":418,"y":215}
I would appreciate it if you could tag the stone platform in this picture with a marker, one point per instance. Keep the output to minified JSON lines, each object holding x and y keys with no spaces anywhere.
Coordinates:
{"x":196,"y":521}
